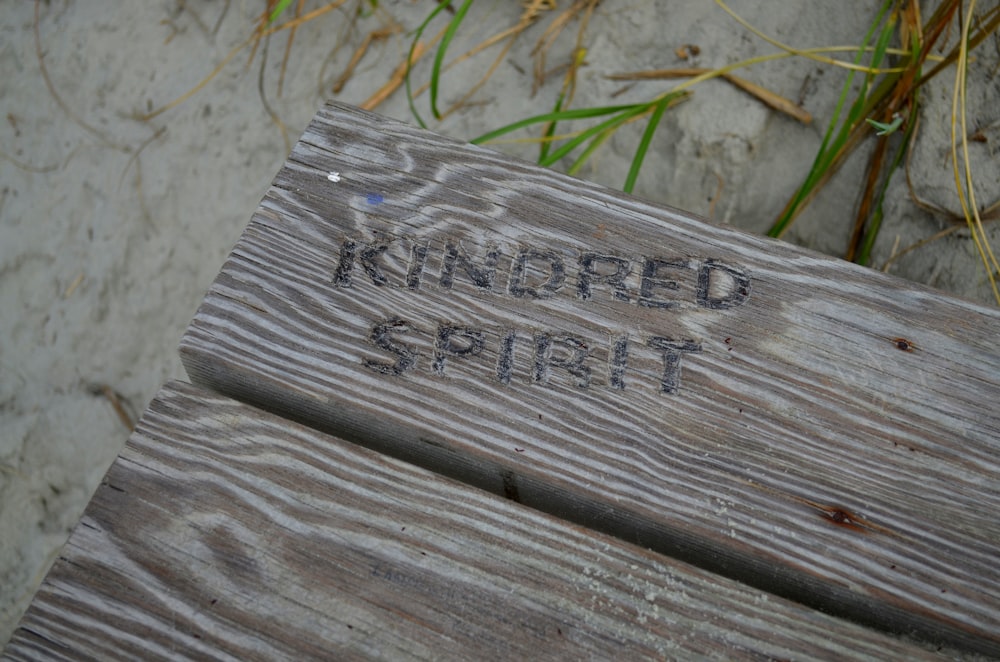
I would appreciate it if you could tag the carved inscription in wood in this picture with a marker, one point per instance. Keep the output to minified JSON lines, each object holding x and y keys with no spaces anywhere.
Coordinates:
{"x":523,"y":274}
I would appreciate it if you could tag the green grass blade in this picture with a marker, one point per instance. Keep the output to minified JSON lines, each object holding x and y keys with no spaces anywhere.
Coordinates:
{"x":856,"y":114}
{"x":596,"y":134}
{"x":845,"y":91}
{"x":614,"y":122}
{"x":442,"y":49}
{"x":550,"y":130}
{"x":574,"y":114}
{"x":409,"y":59}
{"x":647,"y":137}
{"x":871,"y":232}
{"x":278,"y":9}
{"x":596,"y":142}
{"x":834,"y":140}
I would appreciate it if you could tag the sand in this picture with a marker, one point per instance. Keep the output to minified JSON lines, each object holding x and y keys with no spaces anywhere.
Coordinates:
{"x":111,"y":228}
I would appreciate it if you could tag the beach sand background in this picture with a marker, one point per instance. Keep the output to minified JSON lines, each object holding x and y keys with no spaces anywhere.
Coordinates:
{"x":112,"y":228}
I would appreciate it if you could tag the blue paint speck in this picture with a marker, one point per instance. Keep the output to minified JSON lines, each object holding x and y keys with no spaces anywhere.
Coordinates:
{"x":375,"y":199}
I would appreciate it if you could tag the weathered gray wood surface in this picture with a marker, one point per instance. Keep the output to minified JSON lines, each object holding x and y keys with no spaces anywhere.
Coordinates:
{"x":816,"y":429}
{"x":222,"y":532}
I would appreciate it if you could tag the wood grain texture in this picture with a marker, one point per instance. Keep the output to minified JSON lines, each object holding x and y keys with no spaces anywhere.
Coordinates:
{"x":222,"y":532}
{"x":810,"y":427}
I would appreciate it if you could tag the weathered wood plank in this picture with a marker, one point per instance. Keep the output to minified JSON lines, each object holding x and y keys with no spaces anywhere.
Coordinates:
{"x":810,"y":427}
{"x":228,"y":533}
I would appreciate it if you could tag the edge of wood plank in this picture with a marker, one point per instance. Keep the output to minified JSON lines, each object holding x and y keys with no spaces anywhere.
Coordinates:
{"x":227,"y":532}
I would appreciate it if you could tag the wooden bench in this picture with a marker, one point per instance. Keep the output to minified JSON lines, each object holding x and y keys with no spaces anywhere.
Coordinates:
{"x":591,"y":427}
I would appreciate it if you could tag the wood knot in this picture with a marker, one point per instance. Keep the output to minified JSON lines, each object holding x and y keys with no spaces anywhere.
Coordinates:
{"x":903,"y":344}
